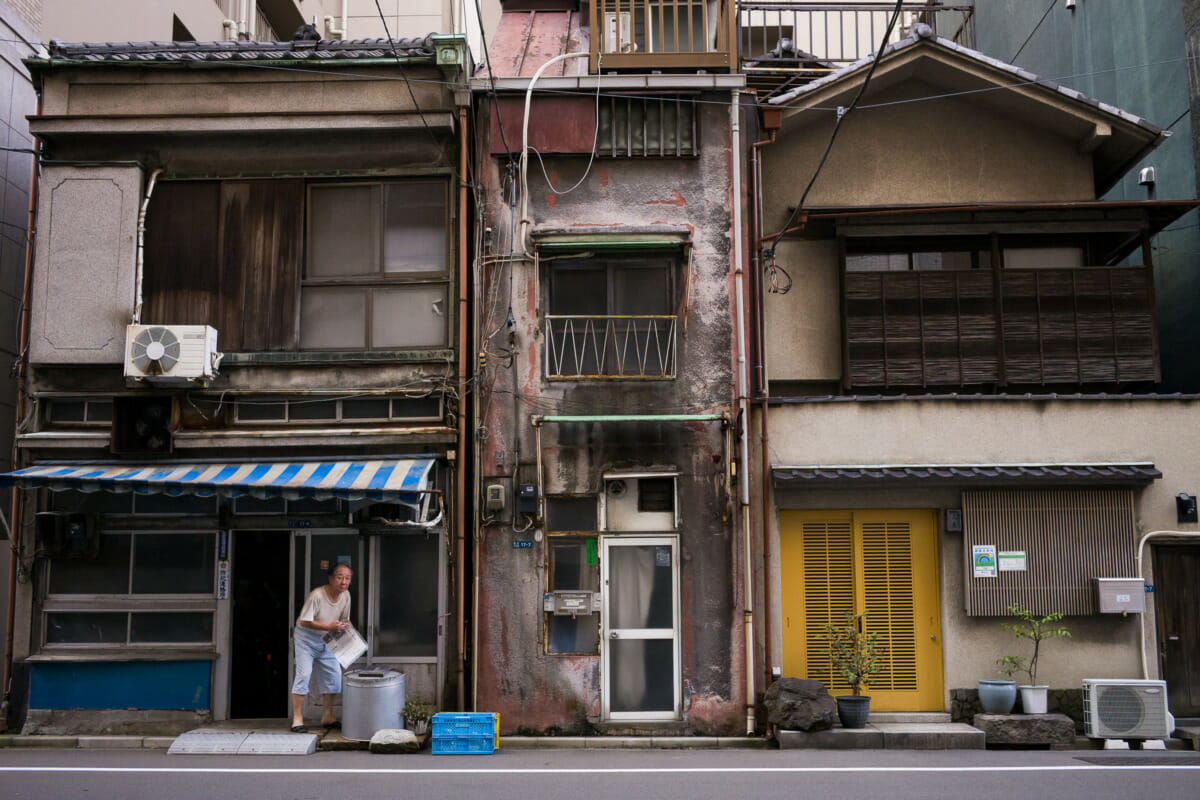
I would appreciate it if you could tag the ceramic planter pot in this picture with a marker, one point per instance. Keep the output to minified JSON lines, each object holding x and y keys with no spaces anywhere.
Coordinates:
{"x":853,"y":710}
{"x":997,"y":697}
{"x":1033,"y":699}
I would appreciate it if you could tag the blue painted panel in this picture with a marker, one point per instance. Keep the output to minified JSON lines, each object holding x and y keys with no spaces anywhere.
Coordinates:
{"x":165,"y":685}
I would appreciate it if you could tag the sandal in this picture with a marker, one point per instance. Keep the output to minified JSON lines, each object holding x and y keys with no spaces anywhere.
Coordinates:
{"x":299,"y":729}
{"x":332,"y":726}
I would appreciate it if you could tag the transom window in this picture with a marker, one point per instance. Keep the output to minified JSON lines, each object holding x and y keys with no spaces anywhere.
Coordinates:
{"x":310,"y":409}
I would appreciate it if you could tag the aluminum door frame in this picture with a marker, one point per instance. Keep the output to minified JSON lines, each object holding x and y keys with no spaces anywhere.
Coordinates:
{"x":607,"y":633}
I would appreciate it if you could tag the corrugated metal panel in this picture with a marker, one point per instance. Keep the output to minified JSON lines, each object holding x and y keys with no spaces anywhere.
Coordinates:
{"x":1040,"y":475}
{"x":828,"y":593}
{"x":1068,"y":536}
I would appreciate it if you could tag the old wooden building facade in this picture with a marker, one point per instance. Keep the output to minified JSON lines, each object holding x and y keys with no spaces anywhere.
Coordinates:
{"x":242,"y":369}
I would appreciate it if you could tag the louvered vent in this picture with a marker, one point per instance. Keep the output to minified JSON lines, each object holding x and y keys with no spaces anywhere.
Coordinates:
{"x":1068,"y":537}
{"x":828,"y":592}
{"x":888,"y":601}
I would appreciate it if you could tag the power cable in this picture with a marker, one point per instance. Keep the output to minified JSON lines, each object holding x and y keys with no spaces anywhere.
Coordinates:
{"x":404,"y":74}
{"x":841,"y":116}
{"x":1049,"y":8}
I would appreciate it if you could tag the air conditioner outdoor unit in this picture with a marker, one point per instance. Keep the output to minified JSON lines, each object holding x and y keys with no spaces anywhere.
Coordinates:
{"x":1126,"y":709}
{"x":626,"y":43}
{"x":171,"y":353}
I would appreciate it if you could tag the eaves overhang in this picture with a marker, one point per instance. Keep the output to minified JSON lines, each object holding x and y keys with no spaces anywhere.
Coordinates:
{"x":973,"y":475}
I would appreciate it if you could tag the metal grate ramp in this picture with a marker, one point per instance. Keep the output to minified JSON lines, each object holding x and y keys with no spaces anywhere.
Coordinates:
{"x":244,"y":744}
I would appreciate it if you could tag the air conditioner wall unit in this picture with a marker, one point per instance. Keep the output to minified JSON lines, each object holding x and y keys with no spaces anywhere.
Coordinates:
{"x":1126,"y":709}
{"x":171,"y":354}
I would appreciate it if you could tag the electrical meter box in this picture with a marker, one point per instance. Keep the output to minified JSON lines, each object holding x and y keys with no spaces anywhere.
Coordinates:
{"x":570,"y":603}
{"x":1120,"y":595}
{"x":527,"y":499}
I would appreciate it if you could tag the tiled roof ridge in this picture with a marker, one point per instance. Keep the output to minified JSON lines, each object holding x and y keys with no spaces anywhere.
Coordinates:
{"x":224,"y":51}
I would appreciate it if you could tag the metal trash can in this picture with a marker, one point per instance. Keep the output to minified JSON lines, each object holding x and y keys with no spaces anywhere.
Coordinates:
{"x":372,"y":700}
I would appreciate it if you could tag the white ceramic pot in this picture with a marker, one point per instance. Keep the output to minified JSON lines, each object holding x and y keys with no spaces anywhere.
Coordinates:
{"x":1033,"y":699}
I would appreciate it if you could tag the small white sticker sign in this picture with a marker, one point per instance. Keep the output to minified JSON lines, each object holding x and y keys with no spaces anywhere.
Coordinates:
{"x":983,"y":560}
{"x":1012,"y":560}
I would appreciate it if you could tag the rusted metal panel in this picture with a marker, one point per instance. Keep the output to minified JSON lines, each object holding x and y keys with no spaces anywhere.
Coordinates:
{"x":525,"y":40}
{"x":556,"y":124}
{"x":182,"y":283}
{"x":262,"y":225}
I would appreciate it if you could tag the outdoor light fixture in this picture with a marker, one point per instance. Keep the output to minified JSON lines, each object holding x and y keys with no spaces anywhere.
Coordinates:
{"x":1185,"y":507}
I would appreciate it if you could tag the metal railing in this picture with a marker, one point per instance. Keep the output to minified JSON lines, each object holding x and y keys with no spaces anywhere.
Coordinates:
{"x":663,"y":34}
{"x":799,"y":34}
{"x":621,"y":347}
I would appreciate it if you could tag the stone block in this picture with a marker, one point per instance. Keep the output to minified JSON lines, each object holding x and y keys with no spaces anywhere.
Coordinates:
{"x":1026,"y":729}
{"x":868,"y":738}
{"x":795,"y":704}
{"x":394,"y":740}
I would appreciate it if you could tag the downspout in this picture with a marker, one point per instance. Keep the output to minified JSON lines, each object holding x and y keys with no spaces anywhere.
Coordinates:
{"x":743,"y":403}
{"x":524,"y":221}
{"x":760,"y":388}
{"x":1140,"y":574}
{"x":139,"y":268}
{"x":460,"y":489}
{"x":15,"y":505}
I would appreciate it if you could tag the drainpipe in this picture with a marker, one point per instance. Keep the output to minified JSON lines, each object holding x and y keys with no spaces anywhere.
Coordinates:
{"x":460,"y":489}
{"x":332,"y":32}
{"x":1140,"y":574}
{"x":15,"y":505}
{"x":524,"y":222}
{"x":760,"y":388}
{"x":743,"y":403}
{"x":139,"y":269}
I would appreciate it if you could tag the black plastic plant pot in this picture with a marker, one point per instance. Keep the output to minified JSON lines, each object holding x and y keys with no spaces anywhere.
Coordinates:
{"x":853,"y":710}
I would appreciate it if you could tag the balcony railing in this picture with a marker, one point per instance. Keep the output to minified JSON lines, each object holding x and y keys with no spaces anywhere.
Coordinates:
{"x":798,"y":40}
{"x":1089,"y":325}
{"x":616,"y":347}
{"x":663,"y":34}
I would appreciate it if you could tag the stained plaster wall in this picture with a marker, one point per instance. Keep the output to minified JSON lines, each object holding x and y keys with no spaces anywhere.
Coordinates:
{"x":1163,"y":432}
{"x":516,"y":678}
{"x":1134,"y":56}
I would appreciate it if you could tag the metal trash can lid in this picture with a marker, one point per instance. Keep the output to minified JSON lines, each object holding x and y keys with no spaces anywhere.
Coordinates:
{"x":373,"y":677}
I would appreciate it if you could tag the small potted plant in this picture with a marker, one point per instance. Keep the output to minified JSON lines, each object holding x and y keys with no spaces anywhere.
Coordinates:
{"x":1037,"y":629}
{"x":854,"y":652}
{"x":416,"y":715}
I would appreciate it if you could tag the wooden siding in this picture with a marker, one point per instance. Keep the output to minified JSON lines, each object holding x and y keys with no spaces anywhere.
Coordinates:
{"x":227,"y":255}
{"x":1045,"y":326}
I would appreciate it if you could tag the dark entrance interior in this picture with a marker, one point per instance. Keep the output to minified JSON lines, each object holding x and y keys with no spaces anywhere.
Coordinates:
{"x":259,"y":659}
{"x":1176,"y":598}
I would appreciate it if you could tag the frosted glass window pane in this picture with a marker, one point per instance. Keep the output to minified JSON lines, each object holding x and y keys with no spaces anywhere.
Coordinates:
{"x":408,"y":593}
{"x":876,"y":262}
{"x":368,"y":408}
{"x":343,"y":234}
{"x":173,"y":563}
{"x":413,"y":316}
{"x":332,"y":318}
{"x":187,"y":627}
{"x":108,"y":573}
{"x":86,"y":628}
{"x":415,"y":227}
{"x":1043,"y":257}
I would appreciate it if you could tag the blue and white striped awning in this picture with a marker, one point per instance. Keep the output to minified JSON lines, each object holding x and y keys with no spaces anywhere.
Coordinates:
{"x":386,"y":480}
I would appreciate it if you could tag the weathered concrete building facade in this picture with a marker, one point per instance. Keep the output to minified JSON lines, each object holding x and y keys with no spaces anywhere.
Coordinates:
{"x":965,"y":367}
{"x":608,"y":554}
{"x":243,"y":370}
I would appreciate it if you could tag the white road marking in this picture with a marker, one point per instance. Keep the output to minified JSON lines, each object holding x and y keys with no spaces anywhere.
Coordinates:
{"x":586,"y":770}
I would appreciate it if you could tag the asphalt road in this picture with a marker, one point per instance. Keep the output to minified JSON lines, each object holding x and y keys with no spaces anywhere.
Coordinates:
{"x":627,"y":775}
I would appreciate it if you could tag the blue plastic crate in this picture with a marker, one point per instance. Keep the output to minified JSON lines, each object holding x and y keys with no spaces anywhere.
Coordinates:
{"x":464,"y":724}
{"x":464,"y":745}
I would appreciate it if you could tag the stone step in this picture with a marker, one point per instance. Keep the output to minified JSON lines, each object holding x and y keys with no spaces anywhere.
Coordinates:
{"x":928,"y":717}
{"x":888,"y":736}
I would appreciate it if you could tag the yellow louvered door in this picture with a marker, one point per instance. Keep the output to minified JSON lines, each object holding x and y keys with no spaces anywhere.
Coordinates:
{"x":883,"y":563}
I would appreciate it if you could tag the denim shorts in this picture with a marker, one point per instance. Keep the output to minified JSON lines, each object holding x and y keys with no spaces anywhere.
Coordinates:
{"x":314,"y":660}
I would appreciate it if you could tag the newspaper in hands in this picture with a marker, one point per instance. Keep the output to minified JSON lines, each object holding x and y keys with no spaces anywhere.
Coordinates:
{"x":346,"y":645}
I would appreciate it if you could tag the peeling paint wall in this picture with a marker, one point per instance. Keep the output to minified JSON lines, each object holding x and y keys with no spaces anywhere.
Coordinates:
{"x":530,"y":689}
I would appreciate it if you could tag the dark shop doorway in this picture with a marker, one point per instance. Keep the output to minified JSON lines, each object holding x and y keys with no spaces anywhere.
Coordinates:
{"x":259,"y":678}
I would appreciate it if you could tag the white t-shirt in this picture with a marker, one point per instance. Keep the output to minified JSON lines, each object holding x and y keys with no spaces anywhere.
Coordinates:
{"x":318,"y":607}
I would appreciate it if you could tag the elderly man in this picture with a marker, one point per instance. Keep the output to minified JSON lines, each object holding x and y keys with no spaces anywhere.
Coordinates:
{"x":326,"y":609}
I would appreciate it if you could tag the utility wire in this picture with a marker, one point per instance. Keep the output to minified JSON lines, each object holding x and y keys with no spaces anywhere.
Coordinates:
{"x":487,"y":59}
{"x":404,"y":74}
{"x":1049,"y":8}
{"x":842,"y":114}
